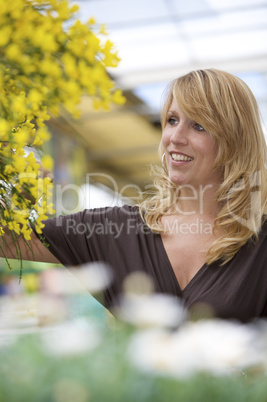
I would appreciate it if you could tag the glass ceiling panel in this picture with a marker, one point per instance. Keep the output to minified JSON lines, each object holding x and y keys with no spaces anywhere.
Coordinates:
{"x":221,"y":47}
{"x":183,"y":8}
{"x":158,"y":36}
{"x":147,"y":33}
{"x":155,"y":55}
{"x":231,"y":4}
{"x":238,"y":20}
{"x":151,"y":46}
{"x":123,"y":11}
{"x":150,"y":36}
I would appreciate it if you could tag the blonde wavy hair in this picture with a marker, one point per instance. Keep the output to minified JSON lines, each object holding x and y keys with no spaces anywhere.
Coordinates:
{"x":225,"y":106}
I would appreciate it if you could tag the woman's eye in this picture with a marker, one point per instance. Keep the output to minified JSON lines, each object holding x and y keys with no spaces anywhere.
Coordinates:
{"x":198,"y":127}
{"x":172,"y":121}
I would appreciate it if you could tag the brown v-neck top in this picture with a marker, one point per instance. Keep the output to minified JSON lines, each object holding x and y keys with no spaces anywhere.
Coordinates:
{"x":119,"y":237}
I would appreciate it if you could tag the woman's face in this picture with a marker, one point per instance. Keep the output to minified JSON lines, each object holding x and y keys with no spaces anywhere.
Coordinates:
{"x":190,"y":151}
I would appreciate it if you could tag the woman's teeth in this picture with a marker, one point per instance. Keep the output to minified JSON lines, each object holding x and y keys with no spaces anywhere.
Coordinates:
{"x":178,"y":157}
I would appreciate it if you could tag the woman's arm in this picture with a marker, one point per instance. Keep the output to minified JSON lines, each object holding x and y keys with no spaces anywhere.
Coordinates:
{"x":34,"y":250}
{"x":31,"y":250}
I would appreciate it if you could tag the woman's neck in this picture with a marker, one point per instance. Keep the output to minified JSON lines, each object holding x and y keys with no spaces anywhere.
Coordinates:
{"x":197,"y":201}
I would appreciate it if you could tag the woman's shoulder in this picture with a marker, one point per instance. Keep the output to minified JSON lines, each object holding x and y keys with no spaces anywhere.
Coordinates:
{"x":115,"y":213}
{"x":122,"y":220}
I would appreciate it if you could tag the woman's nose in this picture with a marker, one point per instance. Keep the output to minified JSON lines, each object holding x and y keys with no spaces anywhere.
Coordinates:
{"x":179,"y":135}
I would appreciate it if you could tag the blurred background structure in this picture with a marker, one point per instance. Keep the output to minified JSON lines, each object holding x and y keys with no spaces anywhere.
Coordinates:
{"x":157,"y":41}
